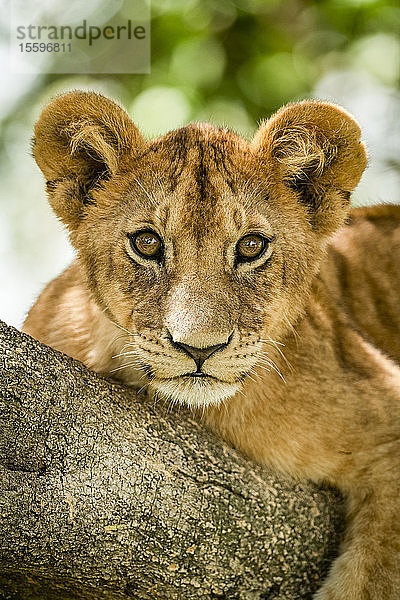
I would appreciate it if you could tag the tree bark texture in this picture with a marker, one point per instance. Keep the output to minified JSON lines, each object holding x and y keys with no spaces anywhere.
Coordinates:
{"x":106,"y":496}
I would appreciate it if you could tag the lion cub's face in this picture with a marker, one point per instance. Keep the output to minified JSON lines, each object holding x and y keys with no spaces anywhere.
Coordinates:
{"x":200,"y":245}
{"x":194,"y":265}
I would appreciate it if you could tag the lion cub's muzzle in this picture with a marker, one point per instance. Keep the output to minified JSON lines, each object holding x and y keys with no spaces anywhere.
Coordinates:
{"x":197,"y":359}
{"x":199,"y":355}
{"x":199,"y":368}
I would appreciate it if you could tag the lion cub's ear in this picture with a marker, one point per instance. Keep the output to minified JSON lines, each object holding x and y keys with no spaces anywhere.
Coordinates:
{"x":81,"y":140}
{"x":314,"y":148}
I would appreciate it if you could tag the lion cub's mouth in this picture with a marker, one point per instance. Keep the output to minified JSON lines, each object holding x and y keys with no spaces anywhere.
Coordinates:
{"x":200,"y":374}
{"x":196,"y":390}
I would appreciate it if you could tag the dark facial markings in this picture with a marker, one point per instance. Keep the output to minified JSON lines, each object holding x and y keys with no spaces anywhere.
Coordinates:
{"x":212,"y":146}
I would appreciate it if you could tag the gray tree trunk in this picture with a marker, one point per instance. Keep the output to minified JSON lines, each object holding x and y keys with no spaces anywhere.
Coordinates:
{"x":104,"y":496}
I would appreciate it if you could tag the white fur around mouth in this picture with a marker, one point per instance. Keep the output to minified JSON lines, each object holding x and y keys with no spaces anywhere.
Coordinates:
{"x":195,"y":392}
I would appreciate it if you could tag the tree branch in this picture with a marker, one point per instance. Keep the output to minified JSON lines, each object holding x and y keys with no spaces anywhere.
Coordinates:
{"x":104,"y":496}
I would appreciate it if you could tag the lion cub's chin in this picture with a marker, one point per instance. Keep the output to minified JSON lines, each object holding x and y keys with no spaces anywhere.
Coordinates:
{"x":193,"y":392}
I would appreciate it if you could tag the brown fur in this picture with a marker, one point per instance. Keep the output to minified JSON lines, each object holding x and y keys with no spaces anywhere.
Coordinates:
{"x":310,"y":379}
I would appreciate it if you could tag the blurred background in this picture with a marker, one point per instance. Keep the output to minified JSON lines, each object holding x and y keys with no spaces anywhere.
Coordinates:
{"x":230,"y":62}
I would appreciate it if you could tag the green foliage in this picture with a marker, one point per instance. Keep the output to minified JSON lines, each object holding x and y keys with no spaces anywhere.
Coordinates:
{"x":236,"y":61}
{"x":252,"y":56}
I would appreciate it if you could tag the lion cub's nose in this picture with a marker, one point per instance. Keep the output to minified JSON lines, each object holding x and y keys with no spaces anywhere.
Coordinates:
{"x":199,"y":355}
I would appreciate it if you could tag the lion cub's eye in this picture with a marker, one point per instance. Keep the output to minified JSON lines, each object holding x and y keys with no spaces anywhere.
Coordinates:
{"x":146,"y":244}
{"x":251,"y":247}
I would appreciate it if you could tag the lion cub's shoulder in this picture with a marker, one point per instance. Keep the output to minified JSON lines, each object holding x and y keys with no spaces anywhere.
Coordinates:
{"x":361,"y":274}
{"x":368,"y":232}
{"x":381,"y":215}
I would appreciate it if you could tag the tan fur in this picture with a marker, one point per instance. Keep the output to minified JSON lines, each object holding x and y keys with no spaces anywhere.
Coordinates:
{"x":309,"y":378}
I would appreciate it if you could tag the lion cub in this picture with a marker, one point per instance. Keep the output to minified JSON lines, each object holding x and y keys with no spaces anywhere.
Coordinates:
{"x":228,"y":275}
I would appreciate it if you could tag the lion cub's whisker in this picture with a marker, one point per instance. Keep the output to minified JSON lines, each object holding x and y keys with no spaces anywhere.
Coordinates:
{"x":144,"y":386}
{"x":270,"y":340}
{"x":130,"y":353}
{"x":264,"y":369}
{"x":264,"y":358}
{"x":266,"y":354}
{"x":250,"y":377}
{"x":276,"y":345}
{"x":123,"y":328}
{"x":126,"y":366}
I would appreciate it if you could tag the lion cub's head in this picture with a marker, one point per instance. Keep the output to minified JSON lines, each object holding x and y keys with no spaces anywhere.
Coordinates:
{"x":199,"y":243}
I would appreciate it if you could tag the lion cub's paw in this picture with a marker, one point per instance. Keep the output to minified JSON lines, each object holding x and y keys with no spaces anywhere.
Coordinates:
{"x":336,"y":589}
{"x":358,"y":578}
